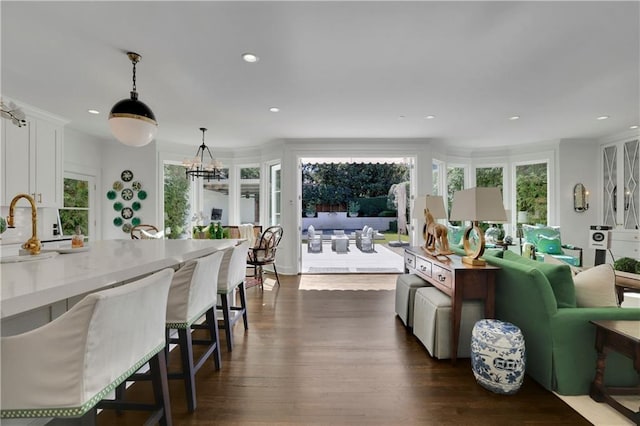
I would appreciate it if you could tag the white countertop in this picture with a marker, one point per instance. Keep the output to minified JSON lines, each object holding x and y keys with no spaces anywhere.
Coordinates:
{"x":30,"y":285}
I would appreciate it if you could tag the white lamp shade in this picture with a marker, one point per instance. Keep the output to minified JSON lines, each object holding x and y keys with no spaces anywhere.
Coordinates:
{"x":478,"y":204}
{"x":435,"y":204}
{"x":133,"y":131}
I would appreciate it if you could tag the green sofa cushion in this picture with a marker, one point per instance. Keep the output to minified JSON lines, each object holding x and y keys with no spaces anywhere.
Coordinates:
{"x":559,"y":276}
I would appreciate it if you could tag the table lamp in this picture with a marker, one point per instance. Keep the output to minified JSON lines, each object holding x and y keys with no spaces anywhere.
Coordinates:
{"x":431,"y":207}
{"x":477,"y":204}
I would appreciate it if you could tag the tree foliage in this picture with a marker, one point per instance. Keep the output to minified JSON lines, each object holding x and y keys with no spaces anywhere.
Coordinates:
{"x":455,"y":182}
{"x":337,"y":184}
{"x":490,"y":177}
{"x":531,"y":191}
{"x":176,"y":199}
{"x":76,"y":202}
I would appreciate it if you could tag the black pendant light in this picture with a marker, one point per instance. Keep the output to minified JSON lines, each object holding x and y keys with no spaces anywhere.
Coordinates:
{"x":198,"y":167}
{"x":131,"y":121}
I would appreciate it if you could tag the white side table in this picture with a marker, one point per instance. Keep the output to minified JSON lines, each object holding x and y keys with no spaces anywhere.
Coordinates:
{"x":340,"y":243}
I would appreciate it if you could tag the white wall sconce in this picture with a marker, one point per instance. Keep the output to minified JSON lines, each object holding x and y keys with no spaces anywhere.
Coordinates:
{"x":580,"y":198}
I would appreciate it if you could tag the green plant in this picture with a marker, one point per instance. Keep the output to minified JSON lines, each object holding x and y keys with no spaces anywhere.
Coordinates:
{"x":310,"y":210}
{"x":354,"y":207}
{"x":626,"y":264}
{"x":501,"y":233}
{"x":176,"y":200}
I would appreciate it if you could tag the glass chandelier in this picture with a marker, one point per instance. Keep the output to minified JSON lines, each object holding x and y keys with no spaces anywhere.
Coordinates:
{"x":199,"y":167}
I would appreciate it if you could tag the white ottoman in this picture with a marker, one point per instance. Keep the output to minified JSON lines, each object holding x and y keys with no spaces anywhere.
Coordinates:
{"x":498,"y":356}
{"x":406,"y":286}
{"x":432,"y":322}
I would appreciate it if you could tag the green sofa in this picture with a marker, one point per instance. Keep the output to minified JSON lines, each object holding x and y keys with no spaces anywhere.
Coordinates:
{"x":540,"y":299}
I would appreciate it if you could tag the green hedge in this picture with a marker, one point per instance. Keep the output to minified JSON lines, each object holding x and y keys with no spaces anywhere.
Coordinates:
{"x":371,"y":207}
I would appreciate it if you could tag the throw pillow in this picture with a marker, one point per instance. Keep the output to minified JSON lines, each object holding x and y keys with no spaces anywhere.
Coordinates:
{"x":549,"y":245}
{"x":455,"y":234}
{"x":532,"y":233}
{"x":596,"y":287}
{"x":556,"y":261}
{"x":559,"y":277}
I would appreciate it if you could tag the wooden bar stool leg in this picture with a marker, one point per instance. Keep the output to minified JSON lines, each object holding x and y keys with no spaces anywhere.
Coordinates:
{"x":186,"y":352}
{"x":215,"y":336}
{"x":227,"y":323}
{"x":243,"y":305}
{"x":158,"y":369}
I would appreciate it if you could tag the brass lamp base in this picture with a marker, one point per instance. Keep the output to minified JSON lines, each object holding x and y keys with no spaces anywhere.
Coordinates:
{"x":473,"y":255}
{"x":473,"y":261}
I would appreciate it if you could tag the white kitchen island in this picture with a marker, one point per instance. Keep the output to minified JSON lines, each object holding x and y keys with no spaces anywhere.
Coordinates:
{"x":35,"y":292}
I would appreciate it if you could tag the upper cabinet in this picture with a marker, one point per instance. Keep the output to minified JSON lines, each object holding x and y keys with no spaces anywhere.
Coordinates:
{"x":32,"y":159}
{"x":621,"y":184}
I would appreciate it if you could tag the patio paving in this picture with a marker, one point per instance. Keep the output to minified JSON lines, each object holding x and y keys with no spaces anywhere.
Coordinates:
{"x":382,"y":260}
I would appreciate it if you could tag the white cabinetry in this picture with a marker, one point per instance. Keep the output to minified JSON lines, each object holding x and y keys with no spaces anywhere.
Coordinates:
{"x":624,"y":243}
{"x":32,"y":160}
{"x":621,"y":184}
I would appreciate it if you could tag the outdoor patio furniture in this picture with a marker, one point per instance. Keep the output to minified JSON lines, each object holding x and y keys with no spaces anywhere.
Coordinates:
{"x":365,"y":239}
{"x":340,"y":243}
{"x":314,"y":240}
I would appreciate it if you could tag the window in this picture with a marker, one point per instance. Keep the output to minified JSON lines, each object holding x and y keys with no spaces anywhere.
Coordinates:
{"x":491,"y":177}
{"x":215,"y":200}
{"x":275,"y":194}
{"x":531,"y":191}
{"x":250,"y":195}
{"x":436,"y":177}
{"x":177,"y":196}
{"x":455,"y":182}
{"x":76,"y":212}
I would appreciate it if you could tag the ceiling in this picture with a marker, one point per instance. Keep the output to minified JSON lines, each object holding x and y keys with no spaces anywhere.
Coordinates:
{"x":335,"y":69}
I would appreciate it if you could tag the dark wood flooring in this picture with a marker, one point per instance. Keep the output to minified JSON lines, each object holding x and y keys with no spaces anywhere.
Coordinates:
{"x":341,"y":358}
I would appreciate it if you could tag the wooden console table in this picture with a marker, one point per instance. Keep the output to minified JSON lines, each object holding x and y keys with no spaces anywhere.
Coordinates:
{"x":626,"y":281}
{"x":457,"y":280}
{"x":622,"y":337}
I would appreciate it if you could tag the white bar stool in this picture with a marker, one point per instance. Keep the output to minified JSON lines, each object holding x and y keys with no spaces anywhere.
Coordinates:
{"x":67,"y":367}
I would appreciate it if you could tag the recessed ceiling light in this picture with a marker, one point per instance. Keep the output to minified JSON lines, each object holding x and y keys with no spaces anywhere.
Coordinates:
{"x":250,"y":57}
{"x":635,"y":126}
{"x":274,"y":109}
{"x":602,"y":117}
{"x":514,"y":117}
{"x":429,"y":117}
{"x":93,"y":111}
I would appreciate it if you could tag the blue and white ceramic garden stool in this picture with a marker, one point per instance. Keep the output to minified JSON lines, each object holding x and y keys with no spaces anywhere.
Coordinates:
{"x":498,"y":356}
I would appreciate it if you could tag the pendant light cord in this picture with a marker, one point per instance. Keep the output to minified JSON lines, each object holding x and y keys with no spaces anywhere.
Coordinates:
{"x":134,"y":76}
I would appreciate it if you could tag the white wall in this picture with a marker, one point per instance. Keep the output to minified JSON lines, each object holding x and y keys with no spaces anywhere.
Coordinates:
{"x":577,"y":161}
{"x":83,"y":155}
{"x":577,"y":164}
{"x":143,"y":163}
